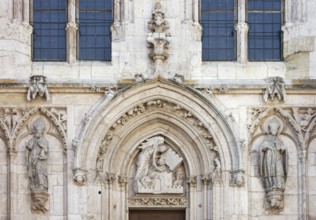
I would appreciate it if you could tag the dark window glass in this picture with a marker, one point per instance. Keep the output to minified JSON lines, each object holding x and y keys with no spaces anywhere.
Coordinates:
{"x":95,"y":19}
{"x":217,"y":20}
{"x":264,"y":40}
{"x":49,"y":36}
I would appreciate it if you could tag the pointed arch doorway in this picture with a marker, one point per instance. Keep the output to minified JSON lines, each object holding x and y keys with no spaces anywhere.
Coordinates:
{"x":157,"y":215}
{"x":110,"y":143}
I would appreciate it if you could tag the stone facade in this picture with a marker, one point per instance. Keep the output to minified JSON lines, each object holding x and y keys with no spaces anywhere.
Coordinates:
{"x":93,"y":129}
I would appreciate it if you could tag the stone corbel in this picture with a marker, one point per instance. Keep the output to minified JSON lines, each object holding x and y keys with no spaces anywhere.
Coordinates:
{"x":275,"y":87}
{"x":80,"y":176}
{"x":39,"y":200}
{"x":38,"y":86}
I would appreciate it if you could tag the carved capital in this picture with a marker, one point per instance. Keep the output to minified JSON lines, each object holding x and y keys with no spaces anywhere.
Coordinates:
{"x":110,"y":178}
{"x":206,"y":179}
{"x":80,"y":176}
{"x":72,"y":26}
{"x":192,"y":181}
{"x":122,"y":180}
{"x":237,"y":178}
{"x":242,"y":27}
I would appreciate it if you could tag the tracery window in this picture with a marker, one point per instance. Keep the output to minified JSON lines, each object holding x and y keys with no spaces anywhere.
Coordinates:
{"x":217,"y":19}
{"x":49,"y":35}
{"x":95,"y":19}
{"x":221,"y":21}
{"x":49,"y":19}
{"x":264,"y":39}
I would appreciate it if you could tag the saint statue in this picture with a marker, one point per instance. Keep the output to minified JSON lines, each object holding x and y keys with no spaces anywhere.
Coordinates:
{"x":273,"y":165}
{"x":37,"y":156}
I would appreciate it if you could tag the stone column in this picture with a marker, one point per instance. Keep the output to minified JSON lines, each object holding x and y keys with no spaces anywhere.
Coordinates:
{"x":242,"y":33}
{"x":206,"y":183}
{"x":302,"y":185}
{"x":217,"y":201}
{"x":71,"y":32}
{"x":26,"y":11}
{"x":123,"y":197}
{"x":11,"y":186}
{"x":18,"y":10}
{"x":192,"y":201}
{"x":117,"y":14}
{"x":195,"y":11}
{"x":110,"y":179}
{"x":125,"y":7}
{"x":188,"y":10}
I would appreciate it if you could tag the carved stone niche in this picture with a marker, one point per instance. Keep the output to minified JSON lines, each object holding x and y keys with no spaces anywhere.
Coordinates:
{"x":37,"y":149}
{"x":159,"y":169}
{"x":273,"y":165}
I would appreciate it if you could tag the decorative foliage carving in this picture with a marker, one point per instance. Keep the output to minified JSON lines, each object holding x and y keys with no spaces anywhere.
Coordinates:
{"x":213,"y":89}
{"x":157,"y":165}
{"x":38,"y":86}
{"x":275,"y":87}
{"x":157,"y":39}
{"x":158,"y":202}
{"x":37,"y":154}
{"x":154,"y":105}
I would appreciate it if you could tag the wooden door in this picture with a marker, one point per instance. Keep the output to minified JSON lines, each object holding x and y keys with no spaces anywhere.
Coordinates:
{"x":156,"y":215}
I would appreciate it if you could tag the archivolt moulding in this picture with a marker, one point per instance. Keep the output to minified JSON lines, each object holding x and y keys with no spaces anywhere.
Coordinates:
{"x":112,"y":110}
